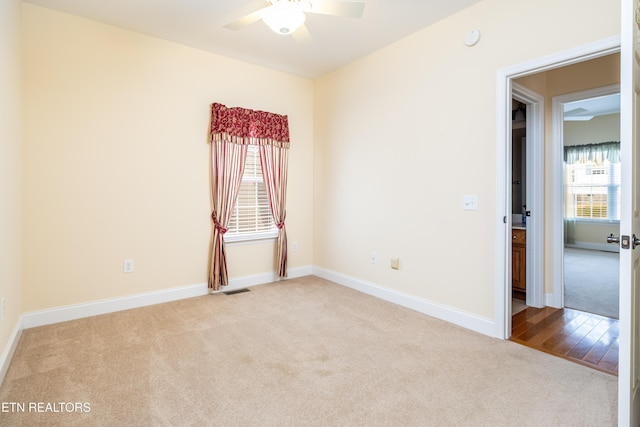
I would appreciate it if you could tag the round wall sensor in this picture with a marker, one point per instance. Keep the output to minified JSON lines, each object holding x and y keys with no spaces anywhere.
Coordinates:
{"x":472,"y":37}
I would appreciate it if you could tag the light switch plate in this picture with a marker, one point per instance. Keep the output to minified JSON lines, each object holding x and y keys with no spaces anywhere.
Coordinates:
{"x":470,"y":202}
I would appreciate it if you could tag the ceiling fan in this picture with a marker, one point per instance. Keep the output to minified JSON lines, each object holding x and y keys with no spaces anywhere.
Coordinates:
{"x":287,"y":16}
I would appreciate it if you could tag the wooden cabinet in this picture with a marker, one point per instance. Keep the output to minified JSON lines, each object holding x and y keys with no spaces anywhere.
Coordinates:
{"x":519,"y":263}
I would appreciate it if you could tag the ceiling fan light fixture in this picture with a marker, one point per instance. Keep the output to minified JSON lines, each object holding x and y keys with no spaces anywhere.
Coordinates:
{"x":284,"y":18}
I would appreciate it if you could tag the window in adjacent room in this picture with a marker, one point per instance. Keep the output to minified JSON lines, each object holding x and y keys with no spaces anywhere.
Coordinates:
{"x":251,"y":218}
{"x":593,"y":191}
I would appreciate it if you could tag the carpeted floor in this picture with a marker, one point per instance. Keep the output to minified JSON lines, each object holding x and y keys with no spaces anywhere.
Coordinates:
{"x":591,"y":281}
{"x":303,"y":352}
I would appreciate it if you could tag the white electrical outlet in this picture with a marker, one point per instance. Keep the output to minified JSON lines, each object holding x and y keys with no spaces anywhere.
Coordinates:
{"x":2,"y":308}
{"x":128,"y":266}
{"x":470,"y":202}
{"x":374,"y":258}
{"x":294,"y":246}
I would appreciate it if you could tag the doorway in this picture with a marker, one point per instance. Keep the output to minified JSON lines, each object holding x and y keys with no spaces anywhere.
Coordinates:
{"x":510,"y":81}
{"x":585,"y":156}
{"x":527,"y":197}
{"x":550,"y":81}
{"x":519,"y":206}
{"x":629,"y":347}
{"x":586,"y":129}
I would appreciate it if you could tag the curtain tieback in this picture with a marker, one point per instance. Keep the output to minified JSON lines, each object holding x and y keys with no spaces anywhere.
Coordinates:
{"x":216,"y":224}
{"x":280,"y":225}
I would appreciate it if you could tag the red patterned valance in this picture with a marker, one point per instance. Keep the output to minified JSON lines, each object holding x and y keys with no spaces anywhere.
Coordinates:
{"x":244,"y":126}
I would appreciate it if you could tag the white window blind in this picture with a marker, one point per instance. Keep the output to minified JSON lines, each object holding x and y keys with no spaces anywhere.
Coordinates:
{"x":592,"y":191}
{"x":251,"y":218}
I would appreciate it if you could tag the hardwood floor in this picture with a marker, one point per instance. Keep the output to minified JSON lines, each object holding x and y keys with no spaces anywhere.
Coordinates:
{"x":585,"y":338}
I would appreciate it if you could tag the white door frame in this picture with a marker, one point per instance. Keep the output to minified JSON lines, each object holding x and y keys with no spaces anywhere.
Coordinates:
{"x":504,"y":84}
{"x":535,"y":195}
{"x":556,"y":297}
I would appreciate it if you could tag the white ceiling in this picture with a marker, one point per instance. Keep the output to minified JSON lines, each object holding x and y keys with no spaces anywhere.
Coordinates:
{"x":335,"y":42}
{"x":587,"y":109}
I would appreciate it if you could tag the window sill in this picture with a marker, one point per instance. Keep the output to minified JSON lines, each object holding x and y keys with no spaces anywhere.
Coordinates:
{"x":232,"y":240}
{"x":594,"y":221}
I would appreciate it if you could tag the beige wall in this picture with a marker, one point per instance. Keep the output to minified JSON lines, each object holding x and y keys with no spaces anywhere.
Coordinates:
{"x":586,"y":75}
{"x":10,"y":168}
{"x":383,"y":151}
{"x":115,"y":167}
{"x":599,"y":129}
{"x":403,"y":134}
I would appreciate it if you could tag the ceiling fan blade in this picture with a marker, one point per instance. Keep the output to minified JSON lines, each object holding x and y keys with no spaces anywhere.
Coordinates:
{"x":338,"y":8}
{"x":246,"y":20}
{"x":301,"y":35}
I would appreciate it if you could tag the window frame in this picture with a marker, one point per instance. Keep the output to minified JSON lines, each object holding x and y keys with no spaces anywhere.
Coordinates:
{"x":611,"y":188}
{"x":244,"y":236}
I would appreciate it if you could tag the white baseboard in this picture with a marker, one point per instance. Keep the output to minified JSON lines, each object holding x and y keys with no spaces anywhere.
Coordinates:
{"x":551,"y":300}
{"x":77,"y":311}
{"x":466,"y":320}
{"x":10,"y":348}
{"x":49,"y":316}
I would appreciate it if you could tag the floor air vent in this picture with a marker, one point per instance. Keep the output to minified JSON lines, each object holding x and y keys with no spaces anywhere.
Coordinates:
{"x":237,"y":291}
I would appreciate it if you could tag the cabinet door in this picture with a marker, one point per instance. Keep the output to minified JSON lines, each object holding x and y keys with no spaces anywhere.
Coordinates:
{"x":518,"y":267}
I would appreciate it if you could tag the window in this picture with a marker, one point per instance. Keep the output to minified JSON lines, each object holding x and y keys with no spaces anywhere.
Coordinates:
{"x":592,"y":191}
{"x":251,"y":218}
